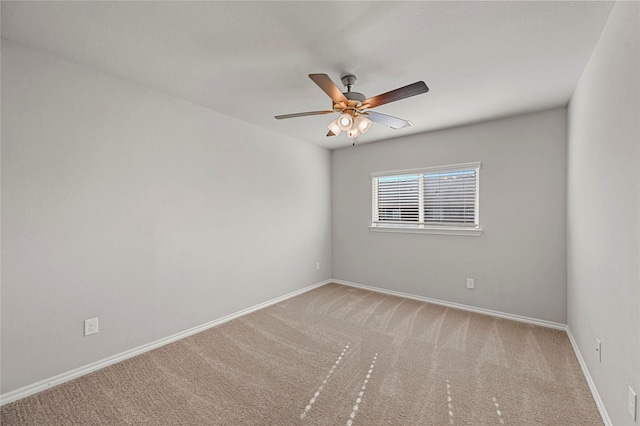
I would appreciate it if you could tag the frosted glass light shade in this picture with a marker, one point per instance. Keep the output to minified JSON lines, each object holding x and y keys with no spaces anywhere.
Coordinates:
{"x":362,"y":123}
{"x":345,"y":121}
{"x":335,"y":129}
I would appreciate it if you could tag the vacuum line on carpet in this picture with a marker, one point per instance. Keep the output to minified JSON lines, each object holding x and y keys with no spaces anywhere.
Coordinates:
{"x":498,"y":412}
{"x":449,"y":402}
{"x":362,"y":389}
{"x":324,"y":382}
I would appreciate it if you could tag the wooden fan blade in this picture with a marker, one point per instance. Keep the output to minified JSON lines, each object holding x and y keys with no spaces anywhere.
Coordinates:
{"x":329,"y":87}
{"x":397,"y":94}
{"x":387,"y":120}
{"x":331,"y":133}
{"x":303,"y":114}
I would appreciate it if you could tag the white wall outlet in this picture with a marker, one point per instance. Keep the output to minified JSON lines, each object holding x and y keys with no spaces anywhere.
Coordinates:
{"x":90,"y":326}
{"x":471,"y":283}
{"x":317,"y":266}
{"x":599,"y":350}
{"x":632,"y":403}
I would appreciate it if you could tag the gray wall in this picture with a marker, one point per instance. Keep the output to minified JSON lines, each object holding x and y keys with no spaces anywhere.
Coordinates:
{"x":604,"y":210}
{"x":519,"y":262}
{"x":151,"y":213}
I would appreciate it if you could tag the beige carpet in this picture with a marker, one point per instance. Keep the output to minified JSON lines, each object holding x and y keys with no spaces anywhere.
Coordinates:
{"x":335,"y":356}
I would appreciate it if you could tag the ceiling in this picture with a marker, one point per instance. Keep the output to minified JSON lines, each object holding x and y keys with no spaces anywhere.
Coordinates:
{"x":251,"y":60}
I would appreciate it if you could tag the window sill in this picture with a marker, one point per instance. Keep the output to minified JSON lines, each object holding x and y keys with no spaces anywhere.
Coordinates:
{"x":472,"y":232}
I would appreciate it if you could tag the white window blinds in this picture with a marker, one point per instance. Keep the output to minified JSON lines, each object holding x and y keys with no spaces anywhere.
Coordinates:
{"x":450,"y":197}
{"x":425,"y":198}
{"x":399,"y":198}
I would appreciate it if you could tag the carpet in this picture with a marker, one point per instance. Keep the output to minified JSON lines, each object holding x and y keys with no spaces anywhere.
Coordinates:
{"x":335,"y":355}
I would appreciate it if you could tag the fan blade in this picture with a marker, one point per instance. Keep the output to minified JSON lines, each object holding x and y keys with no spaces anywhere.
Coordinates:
{"x":331,"y":133}
{"x":387,"y":120}
{"x":303,"y":114}
{"x":329,"y":87}
{"x":395,"y":95}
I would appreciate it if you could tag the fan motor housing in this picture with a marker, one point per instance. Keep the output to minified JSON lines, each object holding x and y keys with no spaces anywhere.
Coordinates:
{"x":354,"y":96}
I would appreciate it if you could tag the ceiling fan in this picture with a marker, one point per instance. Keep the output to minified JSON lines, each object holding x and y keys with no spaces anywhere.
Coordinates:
{"x":356,"y":116}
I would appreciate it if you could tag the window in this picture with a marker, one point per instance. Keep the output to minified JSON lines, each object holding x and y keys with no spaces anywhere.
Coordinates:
{"x":439,"y":200}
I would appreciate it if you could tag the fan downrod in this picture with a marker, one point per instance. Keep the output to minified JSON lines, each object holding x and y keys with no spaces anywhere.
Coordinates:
{"x":349,"y":81}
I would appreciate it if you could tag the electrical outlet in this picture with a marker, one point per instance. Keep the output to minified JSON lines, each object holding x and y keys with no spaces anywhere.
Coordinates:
{"x":471,"y":283}
{"x":632,"y":402}
{"x":90,"y":326}
{"x":317,"y":266}
{"x":599,"y":350}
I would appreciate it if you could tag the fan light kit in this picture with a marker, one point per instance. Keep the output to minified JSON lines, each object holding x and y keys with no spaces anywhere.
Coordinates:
{"x":353,"y":126}
{"x":356,"y":116}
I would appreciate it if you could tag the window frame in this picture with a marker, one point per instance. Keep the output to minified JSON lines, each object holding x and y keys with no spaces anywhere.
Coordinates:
{"x":426,"y":228}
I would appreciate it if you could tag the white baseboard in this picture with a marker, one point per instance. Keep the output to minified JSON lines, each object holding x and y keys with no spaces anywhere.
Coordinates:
{"x":590,"y":382}
{"x":520,"y":318}
{"x":94,"y":366}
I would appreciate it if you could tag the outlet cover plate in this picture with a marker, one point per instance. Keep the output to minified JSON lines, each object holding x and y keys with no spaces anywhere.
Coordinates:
{"x":471,"y":283}
{"x":90,"y":326}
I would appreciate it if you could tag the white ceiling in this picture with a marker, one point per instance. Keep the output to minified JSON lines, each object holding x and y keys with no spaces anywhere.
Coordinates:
{"x":250,"y":60}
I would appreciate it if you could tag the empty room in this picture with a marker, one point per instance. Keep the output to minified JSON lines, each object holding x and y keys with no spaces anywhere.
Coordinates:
{"x":320,"y":213}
